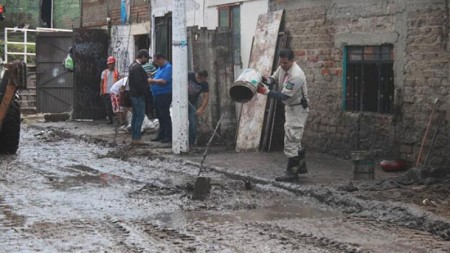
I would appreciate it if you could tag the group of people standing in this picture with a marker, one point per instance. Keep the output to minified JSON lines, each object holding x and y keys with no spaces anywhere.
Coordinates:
{"x":157,"y":88}
{"x":150,"y":94}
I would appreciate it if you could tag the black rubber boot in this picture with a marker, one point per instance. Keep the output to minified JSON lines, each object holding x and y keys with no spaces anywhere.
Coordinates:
{"x":290,"y":173}
{"x":302,"y":162}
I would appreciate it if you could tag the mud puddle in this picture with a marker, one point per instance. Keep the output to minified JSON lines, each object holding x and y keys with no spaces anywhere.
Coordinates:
{"x":67,"y":195}
{"x":260,"y":214}
{"x":85,"y":176}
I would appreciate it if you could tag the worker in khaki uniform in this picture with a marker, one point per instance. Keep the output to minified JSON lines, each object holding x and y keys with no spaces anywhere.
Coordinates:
{"x":293,"y":94}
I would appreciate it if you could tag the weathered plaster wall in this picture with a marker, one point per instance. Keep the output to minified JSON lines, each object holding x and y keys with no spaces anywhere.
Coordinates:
{"x":205,"y":14}
{"x":122,"y":44}
{"x":66,"y":14}
{"x":419,"y":32}
{"x":21,"y":12}
{"x":210,"y":51}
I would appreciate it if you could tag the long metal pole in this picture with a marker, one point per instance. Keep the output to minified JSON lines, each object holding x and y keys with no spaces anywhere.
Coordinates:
{"x":180,"y":122}
{"x":426,"y":133}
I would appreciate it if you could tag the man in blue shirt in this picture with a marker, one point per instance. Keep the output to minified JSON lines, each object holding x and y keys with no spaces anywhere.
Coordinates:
{"x":161,"y":87}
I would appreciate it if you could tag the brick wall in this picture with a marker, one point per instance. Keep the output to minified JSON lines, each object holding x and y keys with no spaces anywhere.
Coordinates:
{"x":95,"y":12}
{"x":418,"y":30}
{"x":426,"y":78}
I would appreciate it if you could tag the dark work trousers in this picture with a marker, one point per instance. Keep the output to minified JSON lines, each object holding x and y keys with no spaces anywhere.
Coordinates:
{"x":108,"y":107}
{"x":162,"y":106}
{"x":149,"y":105}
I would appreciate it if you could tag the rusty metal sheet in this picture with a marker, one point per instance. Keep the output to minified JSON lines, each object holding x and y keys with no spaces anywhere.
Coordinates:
{"x":261,"y":59}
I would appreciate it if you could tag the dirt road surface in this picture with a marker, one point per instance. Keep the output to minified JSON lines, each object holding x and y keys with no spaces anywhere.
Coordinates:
{"x":65,"y":195}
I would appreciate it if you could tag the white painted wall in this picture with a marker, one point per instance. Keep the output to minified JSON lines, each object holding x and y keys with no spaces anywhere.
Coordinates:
{"x":207,"y":16}
{"x":249,"y":16}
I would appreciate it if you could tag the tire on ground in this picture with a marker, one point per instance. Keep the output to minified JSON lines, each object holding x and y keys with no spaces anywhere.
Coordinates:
{"x":10,"y":132}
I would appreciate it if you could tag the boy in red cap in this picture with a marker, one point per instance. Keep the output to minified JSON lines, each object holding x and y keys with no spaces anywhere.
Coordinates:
{"x":108,"y":78}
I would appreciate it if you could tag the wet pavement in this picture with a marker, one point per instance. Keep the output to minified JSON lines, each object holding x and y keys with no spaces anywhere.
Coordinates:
{"x":71,"y":189}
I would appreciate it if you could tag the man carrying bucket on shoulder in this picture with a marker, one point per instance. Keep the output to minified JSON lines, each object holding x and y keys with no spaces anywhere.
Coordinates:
{"x":293,"y":94}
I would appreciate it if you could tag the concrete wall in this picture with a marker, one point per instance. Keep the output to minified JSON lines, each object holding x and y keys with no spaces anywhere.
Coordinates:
{"x":210,"y":51}
{"x":21,"y":12}
{"x":123,"y":43}
{"x":419,"y":32}
{"x":66,"y":14}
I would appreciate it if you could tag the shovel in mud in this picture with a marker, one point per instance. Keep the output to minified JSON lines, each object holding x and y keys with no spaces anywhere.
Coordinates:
{"x":202,"y":185}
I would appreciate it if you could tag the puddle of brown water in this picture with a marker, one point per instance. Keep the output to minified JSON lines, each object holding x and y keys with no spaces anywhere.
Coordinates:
{"x":102,"y":180}
{"x":253,"y":215}
{"x":7,"y":217}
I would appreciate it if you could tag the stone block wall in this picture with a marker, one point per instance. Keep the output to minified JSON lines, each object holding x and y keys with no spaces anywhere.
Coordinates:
{"x":419,"y":32}
{"x":426,"y":79}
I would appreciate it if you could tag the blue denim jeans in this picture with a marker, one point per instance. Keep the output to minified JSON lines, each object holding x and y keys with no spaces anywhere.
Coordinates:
{"x":138,"y":105}
{"x":162,"y":109}
{"x":192,"y":123}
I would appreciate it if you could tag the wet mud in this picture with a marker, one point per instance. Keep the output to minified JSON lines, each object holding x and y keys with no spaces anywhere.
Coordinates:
{"x":65,"y":194}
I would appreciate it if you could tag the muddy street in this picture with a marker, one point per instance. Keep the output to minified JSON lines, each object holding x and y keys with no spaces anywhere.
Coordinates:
{"x":65,"y":195}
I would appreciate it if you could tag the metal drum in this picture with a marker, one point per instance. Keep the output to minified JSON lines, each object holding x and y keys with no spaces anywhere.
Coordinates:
{"x":244,"y":88}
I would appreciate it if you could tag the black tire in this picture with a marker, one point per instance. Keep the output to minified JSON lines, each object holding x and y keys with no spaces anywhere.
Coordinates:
{"x":10,"y":132}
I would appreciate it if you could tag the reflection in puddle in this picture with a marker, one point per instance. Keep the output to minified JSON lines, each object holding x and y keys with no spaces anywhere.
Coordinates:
{"x":102,"y":179}
{"x":258,"y":214}
{"x":85,"y":175}
{"x":7,"y":217}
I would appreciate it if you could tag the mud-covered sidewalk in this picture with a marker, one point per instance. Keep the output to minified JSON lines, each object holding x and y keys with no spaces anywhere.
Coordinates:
{"x":402,"y":198}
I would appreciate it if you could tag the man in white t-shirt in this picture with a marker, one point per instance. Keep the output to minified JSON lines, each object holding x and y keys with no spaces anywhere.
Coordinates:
{"x":115,"y":100}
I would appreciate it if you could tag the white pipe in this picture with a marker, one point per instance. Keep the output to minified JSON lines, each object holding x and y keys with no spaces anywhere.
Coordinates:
{"x":6,"y":44}
{"x":51,"y":15}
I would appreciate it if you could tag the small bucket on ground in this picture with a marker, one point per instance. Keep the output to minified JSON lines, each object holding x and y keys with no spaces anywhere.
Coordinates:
{"x":363,"y":165}
{"x":244,"y":88}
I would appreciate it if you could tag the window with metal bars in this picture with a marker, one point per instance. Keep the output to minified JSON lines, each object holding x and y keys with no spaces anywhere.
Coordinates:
{"x":369,"y":78}
{"x":229,"y":16}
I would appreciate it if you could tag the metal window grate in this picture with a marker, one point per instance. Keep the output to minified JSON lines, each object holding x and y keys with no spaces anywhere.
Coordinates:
{"x":369,"y":80}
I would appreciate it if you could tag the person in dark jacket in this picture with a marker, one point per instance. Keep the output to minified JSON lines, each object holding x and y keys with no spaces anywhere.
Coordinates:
{"x":138,"y":85}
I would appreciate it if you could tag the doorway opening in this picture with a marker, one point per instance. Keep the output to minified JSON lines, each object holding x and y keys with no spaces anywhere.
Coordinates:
{"x":47,"y":13}
{"x":141,"y":41}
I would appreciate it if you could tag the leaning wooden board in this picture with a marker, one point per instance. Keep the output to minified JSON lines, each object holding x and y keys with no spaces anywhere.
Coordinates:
{"x":261,"y":59}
